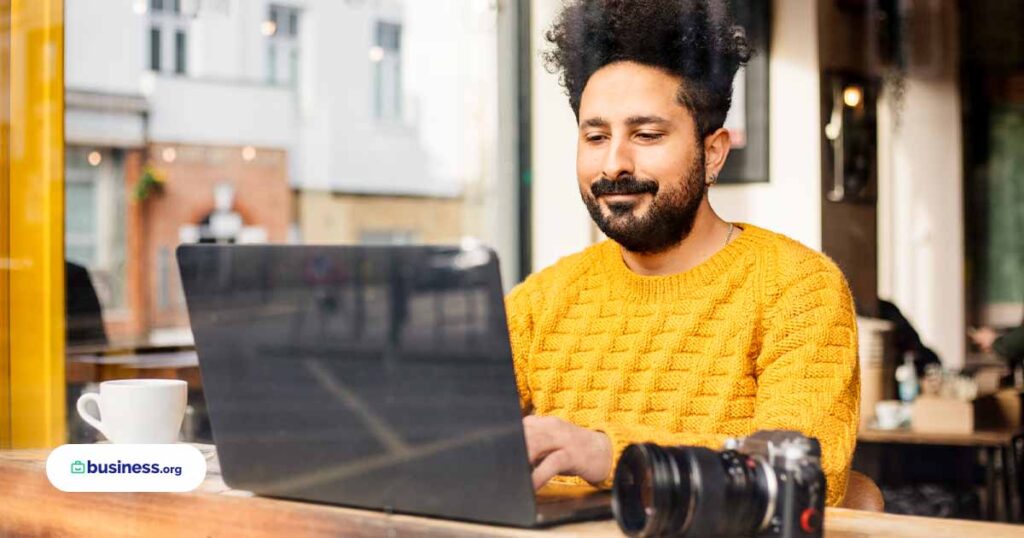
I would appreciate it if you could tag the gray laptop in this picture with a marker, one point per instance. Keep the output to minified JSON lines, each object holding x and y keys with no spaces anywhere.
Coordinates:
{"x":374,"y":377}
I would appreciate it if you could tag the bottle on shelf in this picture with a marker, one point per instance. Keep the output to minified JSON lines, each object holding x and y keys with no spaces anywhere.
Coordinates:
{"x":906,"y":378}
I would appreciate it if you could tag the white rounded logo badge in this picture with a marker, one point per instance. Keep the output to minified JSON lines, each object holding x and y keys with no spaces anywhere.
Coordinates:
{"x":175,"y":467}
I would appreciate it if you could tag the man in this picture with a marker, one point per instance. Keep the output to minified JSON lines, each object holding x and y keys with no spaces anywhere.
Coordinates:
{"x":682,"y":328}
{"x":1009,"y":346}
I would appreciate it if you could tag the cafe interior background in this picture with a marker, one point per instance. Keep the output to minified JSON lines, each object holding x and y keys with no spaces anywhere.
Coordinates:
{"x":887,"y":133}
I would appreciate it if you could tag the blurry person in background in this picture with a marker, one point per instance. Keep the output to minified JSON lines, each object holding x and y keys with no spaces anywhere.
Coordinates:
{"x":905,"y":338}
{"x":1009,"y":346}
{"x":681,"y":328}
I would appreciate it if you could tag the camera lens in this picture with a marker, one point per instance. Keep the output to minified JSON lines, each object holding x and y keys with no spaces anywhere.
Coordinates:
{"x":649,"y":494}
{"x":690,"y":491}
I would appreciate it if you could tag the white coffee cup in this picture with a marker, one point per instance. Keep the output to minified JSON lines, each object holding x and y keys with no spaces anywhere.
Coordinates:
{"x":146,"y":411}
{"x":889,"y":414}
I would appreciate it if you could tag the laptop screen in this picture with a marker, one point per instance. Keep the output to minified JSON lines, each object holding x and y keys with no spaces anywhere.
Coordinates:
{"x":371,"y":376}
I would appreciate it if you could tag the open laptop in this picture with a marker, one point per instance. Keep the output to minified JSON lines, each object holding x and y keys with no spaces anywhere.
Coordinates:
{"x":375,"y":377}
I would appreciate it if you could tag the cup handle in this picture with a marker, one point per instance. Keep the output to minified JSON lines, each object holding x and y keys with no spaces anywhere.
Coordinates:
{"x":86,"y":416}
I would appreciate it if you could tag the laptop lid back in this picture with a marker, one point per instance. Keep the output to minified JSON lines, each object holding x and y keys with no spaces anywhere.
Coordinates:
{"x":377,"y":377}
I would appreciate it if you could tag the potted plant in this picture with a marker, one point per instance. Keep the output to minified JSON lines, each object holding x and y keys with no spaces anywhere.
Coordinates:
{"x":150,"y":183}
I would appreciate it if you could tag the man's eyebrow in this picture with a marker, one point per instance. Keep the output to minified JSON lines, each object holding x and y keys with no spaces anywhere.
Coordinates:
{"x":632,"y":121}
{"x":635,"y":121}
{"x":594,"y":122}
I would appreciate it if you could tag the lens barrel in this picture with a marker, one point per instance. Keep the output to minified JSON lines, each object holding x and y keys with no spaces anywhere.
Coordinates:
{"x":690,"y":491}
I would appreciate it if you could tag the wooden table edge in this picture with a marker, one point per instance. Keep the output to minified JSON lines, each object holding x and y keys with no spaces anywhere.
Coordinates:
{"x":32,"y":506}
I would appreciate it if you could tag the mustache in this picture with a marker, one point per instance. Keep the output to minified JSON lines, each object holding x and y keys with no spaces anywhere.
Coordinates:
{"x":625,"y":184}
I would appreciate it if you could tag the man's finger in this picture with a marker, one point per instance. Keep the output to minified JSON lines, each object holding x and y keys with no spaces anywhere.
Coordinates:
{"x":540,"y":441}
{"x":554,"y":464}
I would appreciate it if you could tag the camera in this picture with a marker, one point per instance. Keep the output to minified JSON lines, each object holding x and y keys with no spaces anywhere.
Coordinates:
{"x":767,"y":484}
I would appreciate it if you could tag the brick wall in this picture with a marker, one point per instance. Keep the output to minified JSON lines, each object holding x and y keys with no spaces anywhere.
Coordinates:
{"x":262,"y":197}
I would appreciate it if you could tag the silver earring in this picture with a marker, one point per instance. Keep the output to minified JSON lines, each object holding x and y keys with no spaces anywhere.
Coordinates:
{"x":712,"y":179}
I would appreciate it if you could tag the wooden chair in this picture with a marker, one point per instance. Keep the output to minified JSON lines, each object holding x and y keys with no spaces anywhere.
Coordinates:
{"x":862,"y":494}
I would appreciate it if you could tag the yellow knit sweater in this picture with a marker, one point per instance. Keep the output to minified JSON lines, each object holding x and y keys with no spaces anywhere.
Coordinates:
{"x":762,"y":335}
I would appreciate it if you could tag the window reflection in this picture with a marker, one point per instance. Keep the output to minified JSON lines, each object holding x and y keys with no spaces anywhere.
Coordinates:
{"x":248,"y":122}
{"x":254,"y":122}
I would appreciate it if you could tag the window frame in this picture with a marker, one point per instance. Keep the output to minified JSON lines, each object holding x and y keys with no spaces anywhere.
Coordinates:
{"x":283,"y":46}
{"x":170,"y":22}
{"x":391,"y":58}
{"x":32,"y":345}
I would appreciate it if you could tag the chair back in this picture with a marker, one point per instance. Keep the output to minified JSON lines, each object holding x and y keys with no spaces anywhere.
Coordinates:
{"x":862,"y":494}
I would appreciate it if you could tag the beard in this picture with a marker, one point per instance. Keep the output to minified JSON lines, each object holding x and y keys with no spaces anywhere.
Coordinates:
{"x":668,"y":220}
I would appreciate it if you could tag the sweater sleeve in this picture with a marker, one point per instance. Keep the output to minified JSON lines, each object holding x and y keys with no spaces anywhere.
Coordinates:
{"x":808,"y":372}
{"x":808,"y":377}
{"x":520,"y":329}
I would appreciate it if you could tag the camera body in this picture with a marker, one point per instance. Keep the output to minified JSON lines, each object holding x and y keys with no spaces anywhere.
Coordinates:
{"x":799,"y":508}
{"x":768,"y":484}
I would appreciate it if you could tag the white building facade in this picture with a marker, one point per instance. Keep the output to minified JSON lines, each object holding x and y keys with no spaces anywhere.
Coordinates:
{"x":385,"y":111}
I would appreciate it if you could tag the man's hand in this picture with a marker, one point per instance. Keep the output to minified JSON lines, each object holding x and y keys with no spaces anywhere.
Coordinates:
{"x":983,"y":338}
{"x":559,"y":447}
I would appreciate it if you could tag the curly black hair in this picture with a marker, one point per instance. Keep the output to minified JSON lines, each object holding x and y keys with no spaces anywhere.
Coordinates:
{"x":696,"y":40}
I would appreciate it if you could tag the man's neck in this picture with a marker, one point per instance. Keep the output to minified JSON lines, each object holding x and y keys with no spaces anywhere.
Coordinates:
{"x":707,"y":237}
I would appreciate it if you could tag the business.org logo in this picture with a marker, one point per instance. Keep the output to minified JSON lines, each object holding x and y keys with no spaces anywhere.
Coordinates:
{"x":77,"y":467}
{"x":126,"y":467}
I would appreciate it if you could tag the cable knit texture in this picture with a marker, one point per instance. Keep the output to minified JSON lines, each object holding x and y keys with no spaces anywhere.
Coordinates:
{"x":762,"y":335}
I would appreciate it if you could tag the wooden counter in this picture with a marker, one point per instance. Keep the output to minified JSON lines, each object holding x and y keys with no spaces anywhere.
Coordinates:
{"x":30,"y":506}
{"x":999,"y":452}
{"x":990,"y":438}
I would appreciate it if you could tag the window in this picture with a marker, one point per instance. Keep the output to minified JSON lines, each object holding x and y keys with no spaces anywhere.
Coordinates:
{"x":302,"y":167}
{"x":94,"y":219}
{"x":386,"y":57}
{"x":80,"y":221}
{"x":286,"y":21}
{"x":179,"y":52}
{"x":282,"y":31}
{"x":168,"y":37}
{"x":154,"y":49}
{"x":80,"y":187}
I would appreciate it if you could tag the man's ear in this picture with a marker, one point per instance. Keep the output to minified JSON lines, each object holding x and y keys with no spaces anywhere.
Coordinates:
{"x":716,"y":149}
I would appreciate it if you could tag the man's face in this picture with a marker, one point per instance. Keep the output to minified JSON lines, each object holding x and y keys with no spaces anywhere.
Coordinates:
{"x":639,"y":163}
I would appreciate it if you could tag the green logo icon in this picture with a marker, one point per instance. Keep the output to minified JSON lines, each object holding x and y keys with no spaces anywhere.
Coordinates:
{"x":77,"y":467}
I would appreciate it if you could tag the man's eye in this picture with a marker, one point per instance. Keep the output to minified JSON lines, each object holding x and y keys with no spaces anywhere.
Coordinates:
{"x":595,"y":138}
{"x":649,"y":137}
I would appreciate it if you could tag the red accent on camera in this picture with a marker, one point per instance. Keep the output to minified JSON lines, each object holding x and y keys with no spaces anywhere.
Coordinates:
{"x":810,"y":520}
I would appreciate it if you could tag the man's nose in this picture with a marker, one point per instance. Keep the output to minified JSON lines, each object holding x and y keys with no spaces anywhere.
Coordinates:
{"x":619,"y":159}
